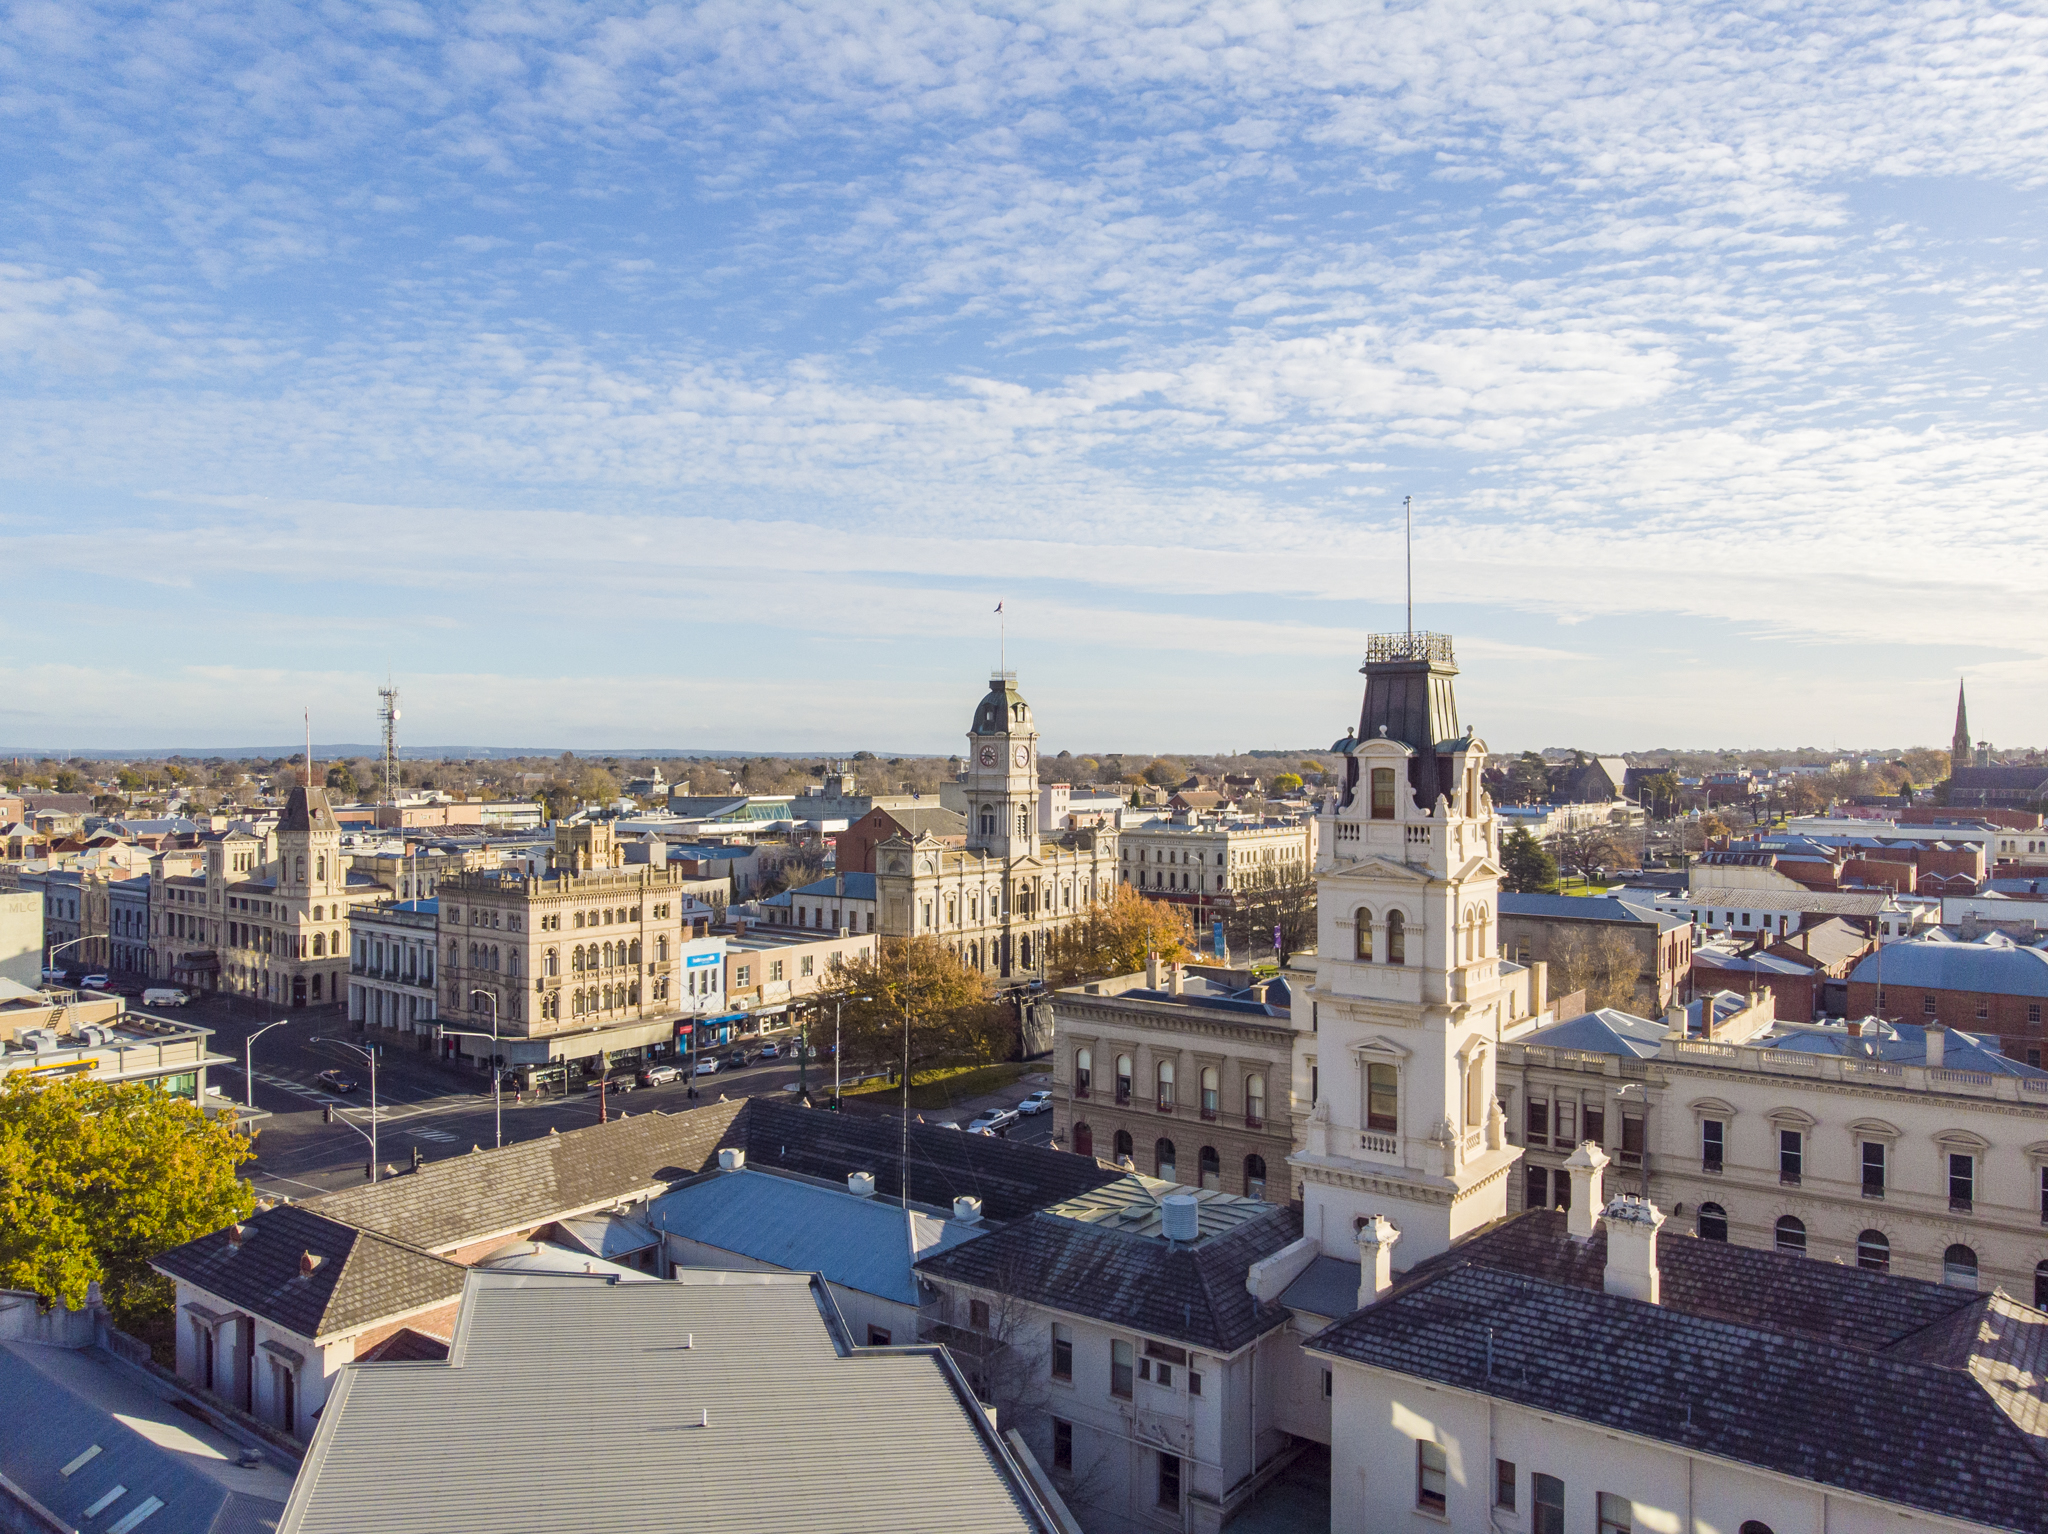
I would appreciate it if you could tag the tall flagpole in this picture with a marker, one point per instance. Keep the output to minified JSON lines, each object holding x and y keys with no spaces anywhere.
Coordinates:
{"x":1408,"y":509}
{"x":309,"y":748}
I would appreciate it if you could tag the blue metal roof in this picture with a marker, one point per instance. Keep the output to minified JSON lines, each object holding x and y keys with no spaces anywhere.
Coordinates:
{"x":1589,"y":908}
{"x":858,"y":1243}
{"x":1906,"y":1044}
{"x":1605,"y":1032}
{"x":858,"y":887}
{"x":1993,"y":963}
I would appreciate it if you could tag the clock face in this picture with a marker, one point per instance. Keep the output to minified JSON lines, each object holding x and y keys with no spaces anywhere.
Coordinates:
{"x":1022,"y":756}
{"x":988,"y":756}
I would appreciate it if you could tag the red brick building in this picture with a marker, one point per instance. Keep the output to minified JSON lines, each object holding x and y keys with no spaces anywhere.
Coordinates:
{"x":1992,"y":985}
{"x":855,"y":846}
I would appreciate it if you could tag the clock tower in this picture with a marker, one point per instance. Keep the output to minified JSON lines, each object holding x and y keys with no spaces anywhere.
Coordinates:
{"x":1002,"y":774}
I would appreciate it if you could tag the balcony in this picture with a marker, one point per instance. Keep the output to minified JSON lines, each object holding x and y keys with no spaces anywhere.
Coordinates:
{"x":1384,"y":1146}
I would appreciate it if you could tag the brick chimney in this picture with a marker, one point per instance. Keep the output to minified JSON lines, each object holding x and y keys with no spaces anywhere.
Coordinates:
{"x":1376,"y":1238}
{"x":1151,"y":971}
{"x":1632,"y":1224}
{"x":1586,"y":1164}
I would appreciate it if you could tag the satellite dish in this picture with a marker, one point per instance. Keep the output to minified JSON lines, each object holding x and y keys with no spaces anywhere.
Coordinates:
{"x":396,"y":716}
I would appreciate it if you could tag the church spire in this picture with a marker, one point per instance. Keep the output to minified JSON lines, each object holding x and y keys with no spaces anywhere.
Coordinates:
{"x":1959,"y":748}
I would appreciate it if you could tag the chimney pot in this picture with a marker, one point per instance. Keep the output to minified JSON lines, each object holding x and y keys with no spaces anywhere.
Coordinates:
{"x":308,"y":1261}
{"x":1586,"y":1164}
{"x":1632,"y":1224}
{"x":235,"y":1234}
{"x":1376,"y":1237}
{"x":1151,"y":971}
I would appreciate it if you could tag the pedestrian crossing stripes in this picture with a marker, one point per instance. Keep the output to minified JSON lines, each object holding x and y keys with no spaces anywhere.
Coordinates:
{"x":439,"y":1135}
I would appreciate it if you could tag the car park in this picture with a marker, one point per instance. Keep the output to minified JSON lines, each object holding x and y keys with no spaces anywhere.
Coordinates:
{"x":993,"y":1122}
{"x":336,"y":1081}
{"x":708,"y":1066}
{"x":659,"y":1075}
{"x":1037,"y":1102}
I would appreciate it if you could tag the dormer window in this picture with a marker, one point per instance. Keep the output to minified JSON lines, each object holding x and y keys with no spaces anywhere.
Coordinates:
{"x":1383,"y":793}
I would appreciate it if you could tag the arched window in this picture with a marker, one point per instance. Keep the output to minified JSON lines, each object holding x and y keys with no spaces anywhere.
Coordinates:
{"x":1164,"y":1083}
{"x":1254,"y":1101}
{"x":299,"y":869}
{"x":1123,"y":1078}
{"x":319,"y":945}
{"x":1874,"y":1251}
{"x":1163,"y":1161}
{"x":1383,"y":793}
{"x":320,"y":868}
{"x":316,"y":997}
{"x":1754,"y":1526}
{"x":1361,"y":919}
{"x":1024,"y":951}
{"x":1959,"y":1268}
{"x":1397,"y":938}
{"x":1255,"y":1177}
{"x":1212,"y":1092}
{"x":1475,"y":1091}
{"x":1713,"y":1223}
{"x":319,"y":913}
{"x":661,"y":950}
{"x":1084,"y":1140}
{"x":1791,"y":1234}
{"x":1084,"y":1071}
{"x":634,"y":956}
{"x":2041,"y":1286}
{"x":1121,"y":1146}
{"x":1209,"y":1167}
{"x":579,"y":918}
{"x":1023,"y":822}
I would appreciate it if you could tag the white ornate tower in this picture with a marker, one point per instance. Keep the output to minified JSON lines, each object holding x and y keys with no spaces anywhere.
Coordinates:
{"x":1394,"y":1095}
{"x":1002,"y":774}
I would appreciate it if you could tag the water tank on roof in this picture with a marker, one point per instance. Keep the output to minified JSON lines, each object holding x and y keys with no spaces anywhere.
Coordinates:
{"x":1180,"y":1217}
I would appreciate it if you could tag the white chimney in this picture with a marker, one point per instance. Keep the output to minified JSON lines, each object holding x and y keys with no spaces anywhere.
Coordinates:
{"x":861,"y":1184}
{"x":1180,"y":1217}
{"x":1376,"y":1238}
{"x":1174,"y":983}
{"x":1585,"y":1164}
{"x":1632,"y":1224}
{"x":731,"y":1160}
{"x":1937,"y":1045}
{"x":1674,"y":1020}
{"x":1151,"y":971}
{"x":967,"y":1210}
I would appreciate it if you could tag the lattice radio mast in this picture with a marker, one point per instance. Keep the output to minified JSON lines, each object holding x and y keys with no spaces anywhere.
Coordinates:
{"x":389,"y":714}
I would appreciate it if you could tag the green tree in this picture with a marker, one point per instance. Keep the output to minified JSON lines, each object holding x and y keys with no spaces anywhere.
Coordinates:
{"x":1528,"y":779}
{"x":596,"y":786}
{"x":1527,"y":868}
{"x":1165,"y":773}
{"x":921,"y":986}
{"x":341,"y":779}
{"x":96,"y":1178}
{"x":1658,"y":792}
{"x":69,"y":782}
{"x":1287,"y":783}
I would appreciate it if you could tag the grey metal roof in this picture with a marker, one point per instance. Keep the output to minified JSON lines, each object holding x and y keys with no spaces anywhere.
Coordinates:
{"x":1608,"y":1031}
{"x":717,"y":1402}
{"x":57,"y":1404}
{"x":1327,"y":1287}
{"x":1904,"y":1044}
{"x":1993,"y":963}
{"x":1603,"y":908}
{"x":858,"y":1243}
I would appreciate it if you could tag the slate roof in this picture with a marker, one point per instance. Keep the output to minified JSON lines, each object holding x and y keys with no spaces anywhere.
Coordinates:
{"x":867,"y":1244}
{"x":405,"y":1346}
{"x":1889,"y":1387}
{"x":1589,"y":908}
{"x":361,"y":1277}
{"x":1993,"y":963}
{"x":1327,"y":1287}
{"x":1194,"y":1295}
{"x":459,"y":1199}
{"x":1834,"y":902}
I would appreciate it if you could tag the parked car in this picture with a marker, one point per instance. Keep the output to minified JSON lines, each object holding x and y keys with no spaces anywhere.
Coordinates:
{"x":335,"y":1081}
{"x":1037,"y":1102}
{"x":93,"y":983}
{"x":708,"y":1066}
{"x":660,"y":1075}
{"x":739,"y":1058}
{"x":993,"y":1121}
{"x":619,"y":1083}
{"x":164,"y":996}
{"x":769,"y":1052}
{"x":56,"y":976}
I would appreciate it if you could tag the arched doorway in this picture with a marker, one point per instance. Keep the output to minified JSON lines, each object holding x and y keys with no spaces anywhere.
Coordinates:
{"x":1121,"y":1146}
{"x":1713,"y":1223}
{"x":298,"y":990}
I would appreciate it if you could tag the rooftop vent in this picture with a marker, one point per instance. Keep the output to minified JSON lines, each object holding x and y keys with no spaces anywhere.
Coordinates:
{"x":861,"y":1184}
{"x":1180,"y":1217}
{"x":235,"y":1235}
{"x":967,"y":1209}
{"x":308,"y":1261}
{"x":730,"y":1160}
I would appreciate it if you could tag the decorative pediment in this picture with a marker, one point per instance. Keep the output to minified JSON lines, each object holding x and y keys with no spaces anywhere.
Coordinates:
{"x":1383,"y":746}
{"x":1962,"y":1140}
{"x":1874,"y":1129}
{"x":1792,"y":1118}
{"x":1379,"y":1048}
{"x":1379,"y":867}
{"x":1712,"y":1108}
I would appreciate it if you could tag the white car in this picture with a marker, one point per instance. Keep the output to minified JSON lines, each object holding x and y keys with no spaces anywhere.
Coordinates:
{"x":1037,"y":1102}
{"x":991,"y":1121}
{"x":708,"y":1067}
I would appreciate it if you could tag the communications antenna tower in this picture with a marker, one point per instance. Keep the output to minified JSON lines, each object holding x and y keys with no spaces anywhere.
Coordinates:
{"x":389,"y":714}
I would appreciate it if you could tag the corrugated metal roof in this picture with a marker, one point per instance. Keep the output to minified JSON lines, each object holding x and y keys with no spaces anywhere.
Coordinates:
{"x":1993,"y":964}
{"x":569,"y":1404}
{"x":1589,"y":908}
{"x":1605,"y":1032}
{"x":858,"y":1243}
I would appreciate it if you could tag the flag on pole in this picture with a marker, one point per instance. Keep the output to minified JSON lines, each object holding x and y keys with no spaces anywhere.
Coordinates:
{"x":999,"y":607}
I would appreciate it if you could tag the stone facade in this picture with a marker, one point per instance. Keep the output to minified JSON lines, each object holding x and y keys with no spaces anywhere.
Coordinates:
{"x":1201,"y":862}
{"x":998,"y":900}
{"x":1213,"y":1103}
{"x":391,"y":986}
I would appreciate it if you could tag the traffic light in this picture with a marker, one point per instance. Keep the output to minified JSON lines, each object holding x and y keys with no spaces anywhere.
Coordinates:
{"x":327,"y":1114}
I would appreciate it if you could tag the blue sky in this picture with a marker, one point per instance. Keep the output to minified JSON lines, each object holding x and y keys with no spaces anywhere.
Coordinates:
{"x":703,"y":375}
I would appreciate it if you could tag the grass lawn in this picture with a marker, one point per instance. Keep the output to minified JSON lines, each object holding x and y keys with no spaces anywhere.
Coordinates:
{"x":954,"y":1084}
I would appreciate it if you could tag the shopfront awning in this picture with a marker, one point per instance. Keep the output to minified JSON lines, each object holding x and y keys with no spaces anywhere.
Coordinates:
{"x":585,"y":1042}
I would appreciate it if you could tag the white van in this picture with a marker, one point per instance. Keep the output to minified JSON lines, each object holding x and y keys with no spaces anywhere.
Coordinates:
{"x":164,"y":996}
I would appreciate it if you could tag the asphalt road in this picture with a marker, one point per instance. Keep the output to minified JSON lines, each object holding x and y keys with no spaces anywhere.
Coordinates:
{"x":424,"y":1105}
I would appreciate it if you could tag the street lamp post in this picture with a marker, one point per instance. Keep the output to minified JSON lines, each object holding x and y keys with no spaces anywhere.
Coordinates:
{"x":249,"y":1060}
{"x":372,"y":1058}
{"x":497,"y":1088}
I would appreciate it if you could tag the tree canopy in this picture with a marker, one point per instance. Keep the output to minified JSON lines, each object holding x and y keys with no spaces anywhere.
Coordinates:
{"x":98,"y":1177}
{"x":920,"y":984}
{"x":1526,"y":867}
{"x":1119,"y":935}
